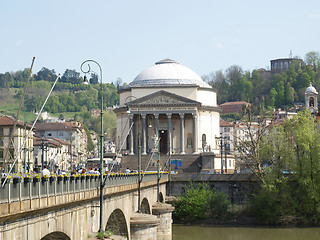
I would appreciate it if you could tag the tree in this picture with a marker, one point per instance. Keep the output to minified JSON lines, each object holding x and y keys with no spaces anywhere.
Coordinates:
{"x":34,"y":103}
{"x":292,"y":149}
{"x":257,"y":85}
{"x":272,"y":98}
{"x":234,"y":74}
{"x":46,"y":74}
{"x":313,"y":58}
{"x":20,"y":77}
{"x":289,"y":94}
{"x":305,"y":137}
{"x":71,"y":76}
{"x":118,"y":83}
{"x":109,"y":123}
{"x":6,"y":80}
{"x":94,"y":78}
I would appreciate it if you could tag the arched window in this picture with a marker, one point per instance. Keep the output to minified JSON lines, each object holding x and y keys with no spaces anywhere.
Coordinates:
{"x":204,"y":141}
{"x":311,"y":102}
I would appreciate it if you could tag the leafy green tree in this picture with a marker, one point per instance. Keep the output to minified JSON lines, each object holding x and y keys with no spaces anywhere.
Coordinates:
{"x":46,"y":74}
{"x":245,"y":88}
{"x":109,"y":124}
{"x":94,"y":79}
{"x":71,"y":76}
{"x":272,"y":98}
{"x":294,"y":146}
{"x":34,"y":103}
{"x":313,"y":58}
{"x":89,"y":142}
{"x":289,"y":94}
{"x":257,"y":85}
{"x":6,"y":80}
{"x":20,"y":78}
{"x":305,"y":136}
{"x":234,"y":74}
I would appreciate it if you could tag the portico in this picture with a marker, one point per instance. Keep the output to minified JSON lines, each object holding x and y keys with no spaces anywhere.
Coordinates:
{"x":159,"y":126}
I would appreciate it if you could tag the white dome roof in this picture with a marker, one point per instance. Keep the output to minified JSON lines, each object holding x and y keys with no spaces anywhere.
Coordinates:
{"x":310,"y":89}
{"x":168,"y":72}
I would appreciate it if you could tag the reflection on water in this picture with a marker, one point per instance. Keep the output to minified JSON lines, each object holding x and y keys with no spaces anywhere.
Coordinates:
{"x":181,"y":232}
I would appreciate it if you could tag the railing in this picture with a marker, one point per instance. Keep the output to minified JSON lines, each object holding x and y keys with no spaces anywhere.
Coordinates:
{"x":32,"y":189}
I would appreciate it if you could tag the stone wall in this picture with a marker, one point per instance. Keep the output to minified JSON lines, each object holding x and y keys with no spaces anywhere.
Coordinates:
{"x":239,"y":187}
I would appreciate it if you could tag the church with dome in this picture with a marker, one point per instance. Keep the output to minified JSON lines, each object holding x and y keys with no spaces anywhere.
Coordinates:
{"x":172,"y":110}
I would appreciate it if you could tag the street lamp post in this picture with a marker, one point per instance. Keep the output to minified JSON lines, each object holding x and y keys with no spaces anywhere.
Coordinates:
{"x":139,"y":154}
{"x":225,"y":155}
{"x":71,"y":163}
{"x":221,"y":150}
{"x":25,"y":150}
{"x":101,"y":138}
{"x":158,"y":171}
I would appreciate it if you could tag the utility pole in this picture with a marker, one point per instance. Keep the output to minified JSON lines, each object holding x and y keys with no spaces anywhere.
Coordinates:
{"x":225,"y":156}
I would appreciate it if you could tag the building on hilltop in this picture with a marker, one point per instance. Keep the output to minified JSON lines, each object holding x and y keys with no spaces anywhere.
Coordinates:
{"x":283,"y":64}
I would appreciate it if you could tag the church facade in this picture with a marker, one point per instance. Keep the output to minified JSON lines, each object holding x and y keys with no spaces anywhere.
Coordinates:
{"x":171,"y":108}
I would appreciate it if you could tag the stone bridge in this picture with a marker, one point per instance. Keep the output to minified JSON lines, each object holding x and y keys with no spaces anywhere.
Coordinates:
{"x":69,"y":209}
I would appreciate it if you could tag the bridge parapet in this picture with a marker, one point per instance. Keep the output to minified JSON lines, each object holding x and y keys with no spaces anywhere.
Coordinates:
{"x":20,"y":199}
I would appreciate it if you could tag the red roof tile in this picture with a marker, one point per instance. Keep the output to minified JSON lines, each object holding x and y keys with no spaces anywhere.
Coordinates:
{"x":224,"y":123}
{"x":10,"y":121}
{"x":234,"y":103}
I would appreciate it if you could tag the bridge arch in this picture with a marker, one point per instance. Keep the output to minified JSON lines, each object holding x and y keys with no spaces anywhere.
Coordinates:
{"x":145,"y":206}
{"x":56,"y":236}
{"x":117,"y":223}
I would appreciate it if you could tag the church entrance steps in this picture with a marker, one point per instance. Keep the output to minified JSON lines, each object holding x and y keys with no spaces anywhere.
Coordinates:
{"x":190,"y":162}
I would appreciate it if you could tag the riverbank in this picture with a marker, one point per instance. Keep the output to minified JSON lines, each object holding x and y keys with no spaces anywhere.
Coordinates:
{"x":241,"y":216}
{"x":182,"y":232}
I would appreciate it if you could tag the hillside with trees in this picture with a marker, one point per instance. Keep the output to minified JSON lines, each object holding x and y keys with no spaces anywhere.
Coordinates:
{"x":70,"y":98}
{"x":264,"y":89}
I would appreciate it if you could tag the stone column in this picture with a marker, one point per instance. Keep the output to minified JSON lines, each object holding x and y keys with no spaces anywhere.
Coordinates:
{"x":164,"y":213}
{"x":182,"y":133}
{"x":144,"y":137}
{"x":156,"y":125}
{"x":131,"y":134}
{"x":143,"y":226}
{"x":194,"y":133}
{"x":169,"y":132}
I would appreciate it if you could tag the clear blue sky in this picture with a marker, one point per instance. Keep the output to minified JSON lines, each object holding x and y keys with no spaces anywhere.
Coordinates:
{"x":127,"y":36}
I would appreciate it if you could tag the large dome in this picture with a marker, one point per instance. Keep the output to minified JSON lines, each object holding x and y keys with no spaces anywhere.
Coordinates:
{"x":168,"y":72}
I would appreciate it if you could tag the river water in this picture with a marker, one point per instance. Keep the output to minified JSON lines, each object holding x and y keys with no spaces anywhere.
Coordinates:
{"x":182,"y":232}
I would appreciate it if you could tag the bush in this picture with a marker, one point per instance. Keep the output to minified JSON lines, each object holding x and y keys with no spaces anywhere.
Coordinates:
{"x":219,"y":205}
{"x":199,"y":202}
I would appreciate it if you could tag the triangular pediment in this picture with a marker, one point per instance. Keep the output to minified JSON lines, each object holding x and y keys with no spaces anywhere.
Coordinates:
{"x":163,"y":98}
